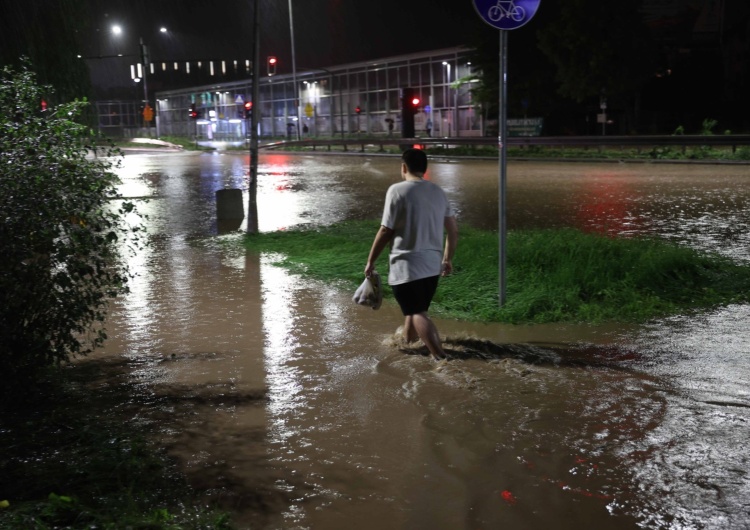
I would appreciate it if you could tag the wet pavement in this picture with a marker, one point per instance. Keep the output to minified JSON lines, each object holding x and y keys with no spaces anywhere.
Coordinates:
{"x":294,"y":408}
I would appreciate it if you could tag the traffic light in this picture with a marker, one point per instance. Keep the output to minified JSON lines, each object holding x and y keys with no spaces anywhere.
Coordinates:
{"x":193,"y":113}
{"x":271,"y":64}
{"x":409,"y":106}
{"x":248,"y":109}
{"x":358,"y":110}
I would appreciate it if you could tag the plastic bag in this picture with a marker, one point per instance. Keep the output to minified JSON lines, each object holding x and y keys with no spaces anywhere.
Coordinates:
{"x":370,"y":292}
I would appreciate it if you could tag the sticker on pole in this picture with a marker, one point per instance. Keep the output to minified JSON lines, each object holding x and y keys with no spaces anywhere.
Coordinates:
{"x":506,"y":14}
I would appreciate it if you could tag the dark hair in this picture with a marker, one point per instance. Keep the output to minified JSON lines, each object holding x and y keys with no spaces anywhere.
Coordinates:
{"x":415,"y":160}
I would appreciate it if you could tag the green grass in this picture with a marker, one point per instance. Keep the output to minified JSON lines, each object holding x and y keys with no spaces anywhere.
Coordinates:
{"x":552,"y":275}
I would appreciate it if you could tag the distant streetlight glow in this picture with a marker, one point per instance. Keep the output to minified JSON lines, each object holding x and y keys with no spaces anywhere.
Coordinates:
{"x":117,"y":30}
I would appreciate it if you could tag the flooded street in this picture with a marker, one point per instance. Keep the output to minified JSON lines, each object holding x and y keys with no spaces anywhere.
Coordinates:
{"x":293,"y":408}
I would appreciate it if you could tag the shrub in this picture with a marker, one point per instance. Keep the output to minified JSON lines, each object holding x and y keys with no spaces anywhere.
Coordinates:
{"x":61,"y":228}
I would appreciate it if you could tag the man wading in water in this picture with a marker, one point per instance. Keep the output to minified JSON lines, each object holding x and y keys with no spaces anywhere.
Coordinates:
{"x":416,"y":212}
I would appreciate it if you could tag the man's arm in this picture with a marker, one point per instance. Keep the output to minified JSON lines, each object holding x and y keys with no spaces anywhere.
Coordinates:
{"x":451,"y":240}
{"x":382,"y":238}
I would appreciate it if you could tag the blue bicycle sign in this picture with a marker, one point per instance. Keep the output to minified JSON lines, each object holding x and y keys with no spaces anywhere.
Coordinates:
{"x":506,"y":9}
{"x":506,"y":14}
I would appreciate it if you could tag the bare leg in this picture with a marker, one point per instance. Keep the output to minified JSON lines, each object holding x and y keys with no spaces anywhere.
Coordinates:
{"x":409,"y":332}
{"x":428,"y":333}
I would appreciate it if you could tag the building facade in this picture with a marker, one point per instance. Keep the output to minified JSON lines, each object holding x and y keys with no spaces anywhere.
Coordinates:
{"x":353,"y":99}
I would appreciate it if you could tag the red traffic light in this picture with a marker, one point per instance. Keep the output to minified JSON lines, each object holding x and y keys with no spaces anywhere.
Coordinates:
{"x":248,"y":109}
{"x":357,"y":110}
{"x":271,"y":65}
{"x":415,"y":101}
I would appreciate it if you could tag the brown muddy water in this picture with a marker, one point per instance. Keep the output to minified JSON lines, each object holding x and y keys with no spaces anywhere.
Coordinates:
{"x":293,"y":408}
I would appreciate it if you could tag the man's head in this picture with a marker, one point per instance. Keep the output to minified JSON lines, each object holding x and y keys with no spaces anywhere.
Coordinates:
{"x":415,"y":161}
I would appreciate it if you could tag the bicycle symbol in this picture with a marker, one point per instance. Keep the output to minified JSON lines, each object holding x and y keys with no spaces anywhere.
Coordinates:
{"x":506,"y":8}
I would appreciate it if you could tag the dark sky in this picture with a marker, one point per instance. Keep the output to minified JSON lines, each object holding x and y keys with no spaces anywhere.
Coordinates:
{"x":327,"y":32}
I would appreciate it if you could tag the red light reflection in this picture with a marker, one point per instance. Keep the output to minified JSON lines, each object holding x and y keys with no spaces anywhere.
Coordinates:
{"x":607,"y":204}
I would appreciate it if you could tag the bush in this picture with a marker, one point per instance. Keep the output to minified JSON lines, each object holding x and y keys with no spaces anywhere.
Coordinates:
{"x":61,"y":231}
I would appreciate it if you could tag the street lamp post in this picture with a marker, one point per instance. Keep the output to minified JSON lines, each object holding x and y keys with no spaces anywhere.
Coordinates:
{"x":294,"y":67}
{"x":341,"y":101}
{"x":454,"y":106}
{"x":145,"y":63}
{"x":455,"y":102}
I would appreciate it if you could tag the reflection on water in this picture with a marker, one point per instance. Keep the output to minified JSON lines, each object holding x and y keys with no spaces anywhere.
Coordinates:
{"x":698,"y":452}
{"x":294,"y":408}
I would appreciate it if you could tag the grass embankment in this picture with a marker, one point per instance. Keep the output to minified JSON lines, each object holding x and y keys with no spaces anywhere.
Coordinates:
{"x":663,"y":153}
{"x":552,"y":275}
{"x":667,"y":153}
{"x":71,"y":459}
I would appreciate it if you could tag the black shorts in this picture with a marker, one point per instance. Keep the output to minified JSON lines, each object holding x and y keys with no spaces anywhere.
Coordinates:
{"x":415,"y":297}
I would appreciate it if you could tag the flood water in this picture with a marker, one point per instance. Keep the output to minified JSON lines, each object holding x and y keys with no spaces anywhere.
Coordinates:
{"x":294,"y":408}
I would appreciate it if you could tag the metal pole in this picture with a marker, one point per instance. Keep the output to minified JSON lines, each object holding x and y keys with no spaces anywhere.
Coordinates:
{"x":294,"y":68}
{"x":341,"y":107}
{"x":455,"y":102}
{"x":144,"y":61}
{"x":502,"y":141}
{"x":252,"y":205}
{"x":445,"y":99}
{"x":333,"y":99}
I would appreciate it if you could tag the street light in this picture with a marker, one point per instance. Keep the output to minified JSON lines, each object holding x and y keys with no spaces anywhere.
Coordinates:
{"x":136,"y":80}
{"x":453,"y":107}
{"x":143,"y":74}
{"x":116,"y":31}
{"x":341,"y":102}
{"x":312,"y":103}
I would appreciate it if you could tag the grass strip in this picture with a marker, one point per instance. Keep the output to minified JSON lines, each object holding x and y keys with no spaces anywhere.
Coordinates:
{"x":560,"y":275}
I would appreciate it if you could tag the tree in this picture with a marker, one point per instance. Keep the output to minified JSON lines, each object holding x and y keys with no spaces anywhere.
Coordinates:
{"x":48,"y":33}
{"x":600,"y":48}
{"x":61,"y":228}
{"x":531,"y":76}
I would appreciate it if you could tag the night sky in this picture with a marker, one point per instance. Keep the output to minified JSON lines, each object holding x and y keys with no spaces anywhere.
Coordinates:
{"x":336,"y":32}
{"x":327,"y":32}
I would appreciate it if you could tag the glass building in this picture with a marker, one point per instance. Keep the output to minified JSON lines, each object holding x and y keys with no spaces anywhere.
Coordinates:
{"x":348,"y":100}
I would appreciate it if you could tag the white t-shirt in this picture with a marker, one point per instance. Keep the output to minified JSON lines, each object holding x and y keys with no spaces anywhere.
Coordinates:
{"x":416,"y":212}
